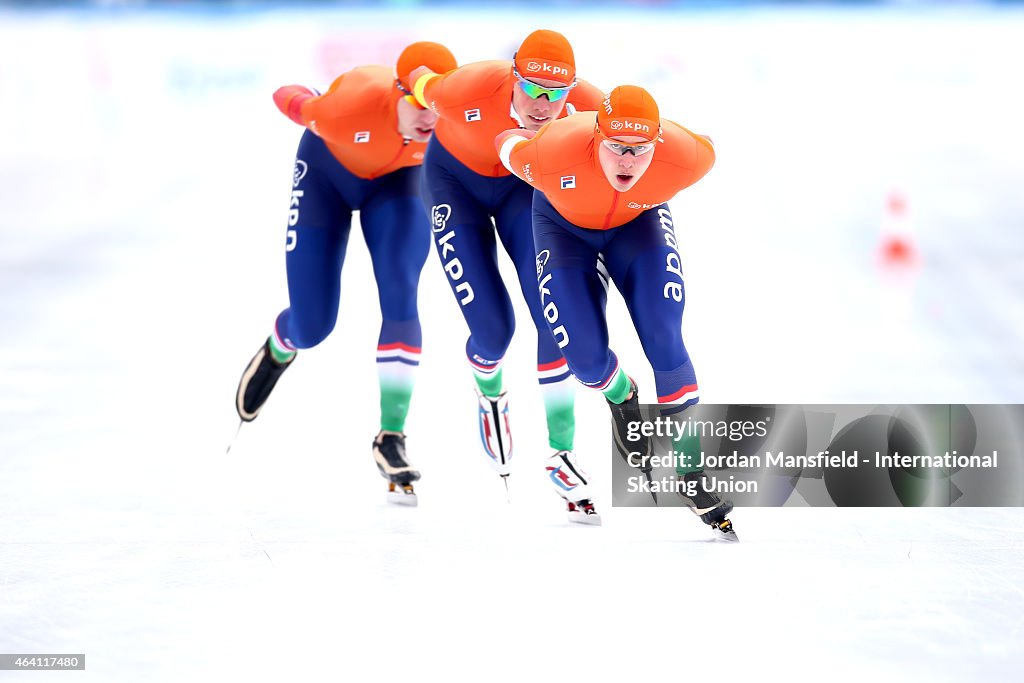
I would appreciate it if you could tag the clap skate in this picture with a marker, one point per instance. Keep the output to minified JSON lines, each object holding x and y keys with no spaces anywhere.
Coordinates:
{"x":711,"y":509}
{"x":583,"y":512}
{"x":495,"y":434}
{"x":571,"y":483}
{"x":389,"y":454}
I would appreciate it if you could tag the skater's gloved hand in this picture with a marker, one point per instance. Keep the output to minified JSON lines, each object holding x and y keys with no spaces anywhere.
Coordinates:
{"x":289,"y":100}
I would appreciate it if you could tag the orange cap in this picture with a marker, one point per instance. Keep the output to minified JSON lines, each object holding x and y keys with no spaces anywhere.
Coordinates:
{"x":629,"y":110}
{"x":434,"y":56}
{"x":546,"y":55}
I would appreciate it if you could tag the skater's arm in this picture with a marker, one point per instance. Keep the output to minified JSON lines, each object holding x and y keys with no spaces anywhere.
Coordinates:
{"x":512,"y":141}
{"x":420,"y":78}
{"x":290,"y":100}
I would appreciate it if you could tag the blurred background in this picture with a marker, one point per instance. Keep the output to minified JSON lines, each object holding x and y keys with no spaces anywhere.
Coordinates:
{"x":860,"y":240}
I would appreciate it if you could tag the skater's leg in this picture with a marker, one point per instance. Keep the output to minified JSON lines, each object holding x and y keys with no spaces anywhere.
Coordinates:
{"x":465,"y":243}
{"x":514,"y":224}
{"x":645,"y":265}
{"x":397,"y":233}
{"x":316,"y":237}
{"x":464,"y":239}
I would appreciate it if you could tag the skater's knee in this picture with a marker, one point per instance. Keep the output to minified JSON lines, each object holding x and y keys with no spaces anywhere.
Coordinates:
{"x":664,"y":348}
{"x":589,"y":368}
{"x":539,"y":321}
{"x":404,"y":309}
{"x":307,"y":332}
{"x":491,"y":341}
{"x":398,"y":295}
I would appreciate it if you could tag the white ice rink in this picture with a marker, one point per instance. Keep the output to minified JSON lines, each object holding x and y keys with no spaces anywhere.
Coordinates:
{"x":144,"y":180}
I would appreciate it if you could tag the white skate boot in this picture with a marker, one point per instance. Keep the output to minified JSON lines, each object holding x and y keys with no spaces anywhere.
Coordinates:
{"x":495,"y":434}
{"x":572,"y":484}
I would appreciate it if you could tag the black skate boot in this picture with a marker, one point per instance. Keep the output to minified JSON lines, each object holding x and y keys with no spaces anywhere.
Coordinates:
{"x":622,"y":415}
{"x":257,"y":382}
{"x":711,"y":509}
{"x":389,"y":454}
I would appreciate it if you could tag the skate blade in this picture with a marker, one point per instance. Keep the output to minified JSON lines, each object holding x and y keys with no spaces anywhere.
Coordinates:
{"x":578,"y":517}
{"x":235,"y":437}
{"x":402,"y":495}
{"x":726,"y":534}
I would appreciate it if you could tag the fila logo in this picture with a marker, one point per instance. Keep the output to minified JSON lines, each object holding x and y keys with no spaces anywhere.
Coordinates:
{"x":568,"y":182}
{"x":363,"y":136}
{"x":545,"y":68}
{"x":472,"y":115}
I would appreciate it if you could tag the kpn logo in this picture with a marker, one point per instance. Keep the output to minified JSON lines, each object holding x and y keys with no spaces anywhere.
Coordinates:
{"x":300,"y":172}
{"x":625,"y":125}
{"x":545,"y":68}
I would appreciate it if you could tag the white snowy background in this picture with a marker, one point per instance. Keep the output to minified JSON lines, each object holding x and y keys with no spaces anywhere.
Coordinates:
{"x":144,"y":182}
